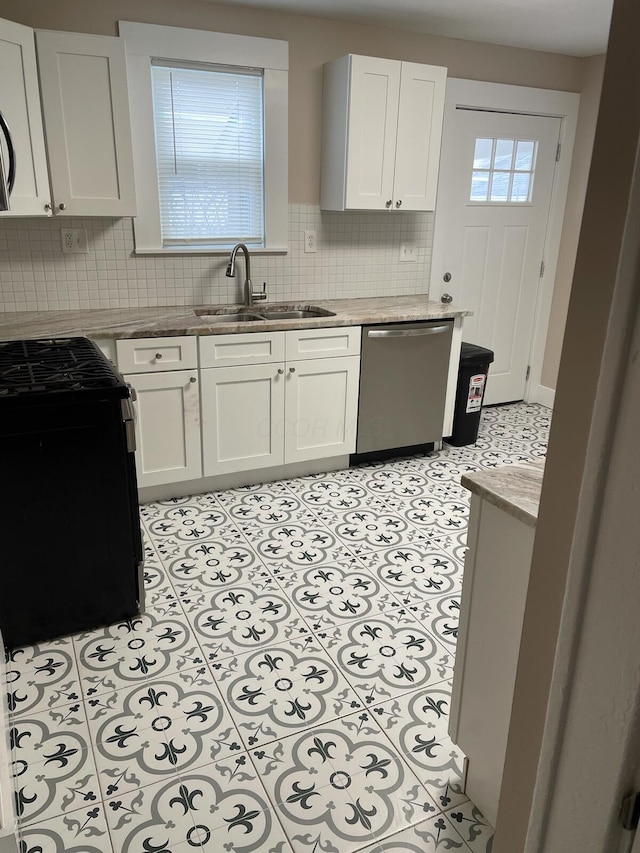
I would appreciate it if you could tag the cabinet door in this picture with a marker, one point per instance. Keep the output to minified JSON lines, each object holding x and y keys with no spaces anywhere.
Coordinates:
{"x":242,"y":417}
{"x":86,"y":117}
{"x":321,"y":408}
{"x":420,"y":114}
{"x":20,"y":106}
{"x":373,"y":116}
{"x":168,"y":427}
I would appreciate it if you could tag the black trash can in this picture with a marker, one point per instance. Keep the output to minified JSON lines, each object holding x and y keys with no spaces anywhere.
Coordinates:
{"x":472,"y":380}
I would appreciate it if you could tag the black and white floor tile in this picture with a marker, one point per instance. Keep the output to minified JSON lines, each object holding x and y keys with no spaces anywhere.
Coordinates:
{"x":288,"y":688}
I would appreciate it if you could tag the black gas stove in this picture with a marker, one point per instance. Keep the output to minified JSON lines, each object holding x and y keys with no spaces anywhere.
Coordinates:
{"x":58,"y":365}
{"x":71,"y":555}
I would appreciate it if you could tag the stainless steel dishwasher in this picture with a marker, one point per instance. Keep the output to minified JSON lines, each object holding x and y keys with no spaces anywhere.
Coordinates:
{"x":403,"y":384}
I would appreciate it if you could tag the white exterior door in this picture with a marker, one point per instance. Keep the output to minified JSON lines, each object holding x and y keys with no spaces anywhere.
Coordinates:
{"x":321,"y":408}
{"x":168,"y":427}
{"x":242,"y":410}
{"x":496,"y":179}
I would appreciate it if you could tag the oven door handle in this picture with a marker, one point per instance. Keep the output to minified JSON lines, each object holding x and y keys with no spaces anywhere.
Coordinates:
{"x":7,"y":180}
{"x":406,"y":333}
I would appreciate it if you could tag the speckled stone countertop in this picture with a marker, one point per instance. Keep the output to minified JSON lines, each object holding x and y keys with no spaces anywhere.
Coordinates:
{"x":182,"y":320}
{"x":514,"y":489}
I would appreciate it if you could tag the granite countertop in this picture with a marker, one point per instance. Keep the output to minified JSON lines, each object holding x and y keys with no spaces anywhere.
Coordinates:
{"x":182,"y":320}
{"x":514,"y":489}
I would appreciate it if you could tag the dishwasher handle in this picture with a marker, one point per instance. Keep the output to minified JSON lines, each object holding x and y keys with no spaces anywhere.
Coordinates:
{"x":407,"y":333}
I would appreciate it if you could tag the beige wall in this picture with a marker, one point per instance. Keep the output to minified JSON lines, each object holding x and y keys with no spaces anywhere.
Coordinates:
{"x":585,"y":131}
{"x":314,"y":41}
{"x":596,"y":269}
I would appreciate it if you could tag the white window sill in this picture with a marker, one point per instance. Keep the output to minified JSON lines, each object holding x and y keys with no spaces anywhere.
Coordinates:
{"x":276,"y":250}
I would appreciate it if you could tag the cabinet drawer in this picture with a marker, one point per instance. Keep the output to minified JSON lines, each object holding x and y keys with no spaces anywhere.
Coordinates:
{"x":227,"y":350}
{"x":323,"y":343}
{"x":151,"y":355}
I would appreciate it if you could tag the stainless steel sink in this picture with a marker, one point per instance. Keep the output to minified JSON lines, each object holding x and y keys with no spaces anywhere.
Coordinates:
{"x":294,"y":312}
{"x":226,"y":315}
{"x":266,"y":312}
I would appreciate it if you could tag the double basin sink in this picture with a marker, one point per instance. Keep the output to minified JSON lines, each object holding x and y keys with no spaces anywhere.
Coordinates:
{"x":245,"y":314}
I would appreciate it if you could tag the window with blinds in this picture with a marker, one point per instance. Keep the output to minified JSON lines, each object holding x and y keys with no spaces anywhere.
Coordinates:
{"x":209,"y":133}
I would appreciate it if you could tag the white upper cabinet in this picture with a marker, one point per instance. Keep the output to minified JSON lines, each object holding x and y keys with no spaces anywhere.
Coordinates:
{"x":382,"y":124}
{"x":86,"y":119}
{"x":20,"y":107}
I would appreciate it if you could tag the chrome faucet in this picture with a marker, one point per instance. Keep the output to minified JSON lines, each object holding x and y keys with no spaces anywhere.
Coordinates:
{"x":249,"y":294}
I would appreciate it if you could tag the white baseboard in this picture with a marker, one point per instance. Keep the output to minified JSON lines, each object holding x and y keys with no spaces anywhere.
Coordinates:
{"x":543,"y":395}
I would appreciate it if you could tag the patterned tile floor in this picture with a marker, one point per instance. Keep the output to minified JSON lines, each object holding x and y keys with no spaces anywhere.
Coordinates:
{"x":287,"y":689}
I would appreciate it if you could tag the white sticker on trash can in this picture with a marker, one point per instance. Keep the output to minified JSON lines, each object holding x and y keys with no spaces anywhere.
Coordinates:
{"x":476,"y":390}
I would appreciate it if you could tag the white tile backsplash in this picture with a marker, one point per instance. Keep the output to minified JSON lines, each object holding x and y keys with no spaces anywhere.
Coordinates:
{"x":358,"y":255}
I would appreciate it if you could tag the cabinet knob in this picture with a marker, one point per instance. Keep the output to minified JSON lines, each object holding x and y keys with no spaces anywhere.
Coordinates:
{"x":158,"y":356}
{"x":292,"y":370}
{"x":446,"y":298}
{"x":399,"y":203}
{"x":62,"y":206}
{"x":281,"y":370}
{"x":192,"y":379}
{"x":47,"y":206}
{"x":447,"y":277}
{"x":389,"y":203}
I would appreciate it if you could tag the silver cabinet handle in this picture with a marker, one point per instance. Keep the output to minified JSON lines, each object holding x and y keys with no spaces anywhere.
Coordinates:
{"x":62,"y":206}
{"x":47,"y":206}
{"x":406,"y":333}
{"x":446,"y":298}
{"x":292,"y":370}
{"x":389,"y":203}
{"x":280,"y":370}
{"x":399,"y":203}
{"x":158,"y":356}
{"x":192,"y":379}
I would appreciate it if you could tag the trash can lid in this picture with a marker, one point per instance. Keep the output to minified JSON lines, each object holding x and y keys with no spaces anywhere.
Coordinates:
{"x":474,"y":354}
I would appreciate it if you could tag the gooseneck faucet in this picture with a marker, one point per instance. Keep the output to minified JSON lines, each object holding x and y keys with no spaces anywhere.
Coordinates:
{"x":249,"y":294}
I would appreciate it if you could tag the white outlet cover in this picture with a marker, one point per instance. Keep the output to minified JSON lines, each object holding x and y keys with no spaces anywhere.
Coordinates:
{"x":409,"y":253}
{"x":74,"y":242}
{"x":311,"y":241}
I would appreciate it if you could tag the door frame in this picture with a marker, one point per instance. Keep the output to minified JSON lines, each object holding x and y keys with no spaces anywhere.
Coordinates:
{"x":500,"y":97}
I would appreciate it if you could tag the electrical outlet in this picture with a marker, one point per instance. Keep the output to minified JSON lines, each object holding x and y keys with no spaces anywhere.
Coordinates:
{"x":408,"y":253}
{"x":74,"y":242}
{"x":310,"y":241}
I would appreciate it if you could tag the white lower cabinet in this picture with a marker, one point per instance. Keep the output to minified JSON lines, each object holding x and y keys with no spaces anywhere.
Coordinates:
{"x":321,"y":408}
{"x":241,"y":414}
{"x":260,"y":415}
{"x":168,"y":426}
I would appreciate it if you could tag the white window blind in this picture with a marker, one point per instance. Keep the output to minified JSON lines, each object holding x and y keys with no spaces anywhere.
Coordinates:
{"x":209,"y":131}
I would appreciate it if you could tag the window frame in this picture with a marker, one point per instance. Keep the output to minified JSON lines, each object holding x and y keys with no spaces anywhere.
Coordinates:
{"x":145,"y":42}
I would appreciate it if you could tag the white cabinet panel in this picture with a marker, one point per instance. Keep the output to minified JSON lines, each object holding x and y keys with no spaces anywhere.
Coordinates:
{"x":321,"y":408}
{"x":152,"y":355}
{"x":382,"y":123}
{"x":420,"y":117}
{"x":242,"y":423}
{"x":323,"y":343}
{"x":250,"y":348}
{"x":375,"y":86}
{"x":86,"y":116}
{"x":167,"y":427}
{"x":20,"y":106}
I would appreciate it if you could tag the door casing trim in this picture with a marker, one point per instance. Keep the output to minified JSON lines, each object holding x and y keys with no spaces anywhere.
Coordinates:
{"x":500,"y":97}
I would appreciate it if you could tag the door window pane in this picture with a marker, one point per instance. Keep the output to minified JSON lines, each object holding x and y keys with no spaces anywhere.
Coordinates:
{"x":524,"y":155}
{"x":500,"y":186}
{"x":504,"y":154}
{"x":480,"y":186}
{"x":520,"y":189}
{"x":483,"y":153}
{"x":503,"y":171}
